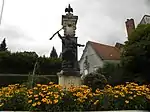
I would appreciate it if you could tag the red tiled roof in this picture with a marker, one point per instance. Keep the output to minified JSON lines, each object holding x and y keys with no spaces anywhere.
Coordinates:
{"x":106,"y":52}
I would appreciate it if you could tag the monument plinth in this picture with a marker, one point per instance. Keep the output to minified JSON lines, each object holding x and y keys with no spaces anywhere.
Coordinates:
{"x":70,"y":73}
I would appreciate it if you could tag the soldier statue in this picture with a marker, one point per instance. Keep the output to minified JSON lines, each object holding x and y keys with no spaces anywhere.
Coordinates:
{"x":69,"y":42}
{"x":69,"y":54}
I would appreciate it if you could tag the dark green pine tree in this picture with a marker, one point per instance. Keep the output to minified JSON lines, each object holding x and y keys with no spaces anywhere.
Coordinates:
{"x":3,"y":45}
{"x":53,"y":53}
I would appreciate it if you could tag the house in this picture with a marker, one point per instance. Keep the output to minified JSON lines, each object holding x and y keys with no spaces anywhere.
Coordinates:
{"x":145,"y":19}
{"x":130,"y":25}
{"x":96,"y":54}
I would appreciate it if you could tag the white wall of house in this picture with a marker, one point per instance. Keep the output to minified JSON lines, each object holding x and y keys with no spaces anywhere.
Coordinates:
{"x":93,"y":59}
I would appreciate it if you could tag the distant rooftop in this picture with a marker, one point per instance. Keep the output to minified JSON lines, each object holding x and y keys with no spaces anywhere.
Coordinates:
{"x":145,"y":19}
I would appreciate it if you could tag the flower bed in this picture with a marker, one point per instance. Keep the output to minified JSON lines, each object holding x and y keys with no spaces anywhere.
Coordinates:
{"x":52,"y":97}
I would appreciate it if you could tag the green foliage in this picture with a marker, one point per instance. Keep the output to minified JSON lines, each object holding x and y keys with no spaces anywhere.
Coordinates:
{"x":24,"y":62}
{"x":6,"y":80}
{"x":95,"y":80}
{"x":53,"y":53}
{"x":113,"y":73}
{"x":135,"y":57}
{"x":51,"y":97}
{"x":17,"y":63}
{"x":49,"y":65}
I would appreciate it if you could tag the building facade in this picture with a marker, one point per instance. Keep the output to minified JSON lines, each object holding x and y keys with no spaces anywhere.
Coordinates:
{"x":95,"y":55}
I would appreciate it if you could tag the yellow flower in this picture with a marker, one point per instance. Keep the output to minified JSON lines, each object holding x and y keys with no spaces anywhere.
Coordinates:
{"x":49,"y":93}
{"x":97,"y":91}
{"x":116,"y":96}
{"x":96,"y":102}
{"x":36,"y":98}
{"x":17,"y":91}
{"x":51,"y":83}
{"x":62,"y":94}
{"x":29,"y":96}
{"x":147,"y":89}
{"x":30,"y":92}
{"x":36,"y":95}
{"x":29,"y":101}
{"x":55,"y":101}
{"x":130,"y":97}
{"x":122,"y":94}
{"x":130,"y":92}
{"x":90,"y":94}
{"x":1,"y":104}
{"x":41,"y":94}
{"x":47,"y":96}
{"x":56,"y":96}
{"x":34,"y":104}
{"x":38,"y":103}
{"x":35,"y":88}
{"x":134,"y":95}
{"x":148,"y":97}
{"x":38,"y":85}
{"x":139,"y":94}
{"x":44,"y":100}
{"x":126,"y":101}
{"x":49,"y":101}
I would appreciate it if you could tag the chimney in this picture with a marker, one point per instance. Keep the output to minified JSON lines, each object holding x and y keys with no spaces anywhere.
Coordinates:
{"x":119,"y":45}
{"x":130,"y":26}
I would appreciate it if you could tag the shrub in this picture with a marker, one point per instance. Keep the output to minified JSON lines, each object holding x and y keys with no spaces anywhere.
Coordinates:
{"x":13,"y":97}
{"x":95,"y":80}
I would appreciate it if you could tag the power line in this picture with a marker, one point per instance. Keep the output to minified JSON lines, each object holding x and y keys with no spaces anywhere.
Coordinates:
{"x":1,"y":12}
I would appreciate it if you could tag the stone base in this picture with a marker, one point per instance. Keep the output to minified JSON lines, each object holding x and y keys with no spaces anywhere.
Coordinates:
{"x":67,"y":80}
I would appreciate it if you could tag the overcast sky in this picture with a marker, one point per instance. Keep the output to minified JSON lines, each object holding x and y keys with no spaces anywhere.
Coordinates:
{"x":28,"y":24}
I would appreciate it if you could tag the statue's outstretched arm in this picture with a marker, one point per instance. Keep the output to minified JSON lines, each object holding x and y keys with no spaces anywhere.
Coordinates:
{"x":59,"y":36}
{"x":80,"y":45}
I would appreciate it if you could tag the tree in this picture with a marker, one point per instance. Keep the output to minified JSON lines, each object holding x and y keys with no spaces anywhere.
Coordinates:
{"x":113,"y":73}
{"x":3,"y":45}
{"x":53,"y":53}
{"x":24,"y":63}
{"x":135,"y":57}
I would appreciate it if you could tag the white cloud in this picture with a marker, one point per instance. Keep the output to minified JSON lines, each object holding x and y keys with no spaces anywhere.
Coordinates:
{"x":28,"y":24}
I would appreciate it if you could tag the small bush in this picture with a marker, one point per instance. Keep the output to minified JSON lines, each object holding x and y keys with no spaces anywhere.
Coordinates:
{"x":95,"y":80}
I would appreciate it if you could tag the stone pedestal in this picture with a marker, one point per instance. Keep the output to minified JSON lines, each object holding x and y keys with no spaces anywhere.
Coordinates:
{"x":67,"y":80}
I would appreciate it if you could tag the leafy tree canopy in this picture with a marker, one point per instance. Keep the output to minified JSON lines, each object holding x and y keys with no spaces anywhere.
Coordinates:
{"x":24,"y":62}
{"x":136,"y":54}
{"x":113,"y":73}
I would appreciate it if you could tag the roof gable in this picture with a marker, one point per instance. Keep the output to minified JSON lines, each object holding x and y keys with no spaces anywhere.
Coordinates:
{"x":145,"y":19}
{"x":106,"y":52}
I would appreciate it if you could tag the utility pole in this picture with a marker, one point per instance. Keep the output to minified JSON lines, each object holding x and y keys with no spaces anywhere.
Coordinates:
{"x":1,"y":12}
